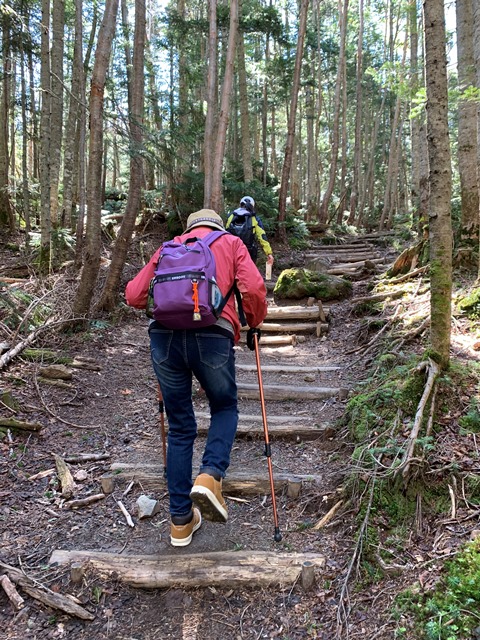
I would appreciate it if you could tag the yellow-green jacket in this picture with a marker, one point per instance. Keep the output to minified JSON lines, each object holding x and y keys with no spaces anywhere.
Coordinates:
{"x":257,"y":227}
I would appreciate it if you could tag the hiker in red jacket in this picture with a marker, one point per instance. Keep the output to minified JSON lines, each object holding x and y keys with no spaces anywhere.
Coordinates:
{"x":206,"y":353}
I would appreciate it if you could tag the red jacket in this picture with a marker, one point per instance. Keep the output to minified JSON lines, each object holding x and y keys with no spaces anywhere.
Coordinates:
{"x":233,"y":263}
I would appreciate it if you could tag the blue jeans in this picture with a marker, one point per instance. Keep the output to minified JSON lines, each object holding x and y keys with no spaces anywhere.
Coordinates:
{"x":177,"y":355}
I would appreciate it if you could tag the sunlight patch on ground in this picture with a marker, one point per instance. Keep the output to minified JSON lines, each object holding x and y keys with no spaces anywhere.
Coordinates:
{"x":191,"y":622}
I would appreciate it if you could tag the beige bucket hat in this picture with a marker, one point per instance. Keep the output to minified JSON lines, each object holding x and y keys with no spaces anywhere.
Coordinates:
{"x":205,"y":218}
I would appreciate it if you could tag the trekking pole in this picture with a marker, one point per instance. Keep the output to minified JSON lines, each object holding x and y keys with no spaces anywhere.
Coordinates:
{"x":161,"y":411}
{"x":268,"y":451}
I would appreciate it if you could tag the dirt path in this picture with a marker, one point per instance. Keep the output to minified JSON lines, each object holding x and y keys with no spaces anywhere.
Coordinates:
{"x":119,"y":403}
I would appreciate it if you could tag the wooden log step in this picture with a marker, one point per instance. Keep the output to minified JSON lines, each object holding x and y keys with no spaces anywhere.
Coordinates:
{"x":277,"y":340}
{"x":287,"y":368}
{"x":293,"y":327}
{"x":353,"y":246}
{"x":338,"y":256}
{"x":359,"y":264}
{"x":314,"y":310}
{"x":289,"y":392}
{"x":285,"y":427}
{"x":236,"y":482}
{"x":220,"y":568}
{"x":296,"y":312}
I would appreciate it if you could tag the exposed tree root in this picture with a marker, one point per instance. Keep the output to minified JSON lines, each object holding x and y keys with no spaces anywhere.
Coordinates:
{"x":433,"y":370}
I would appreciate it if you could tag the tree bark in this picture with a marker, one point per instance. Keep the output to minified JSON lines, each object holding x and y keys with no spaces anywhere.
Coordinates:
{"x":476,"y":49}
{"x":467,"y":122}
{"x":72,"y":119}
{"x":290,"y":145}
{"x":56,"y":104}
{"x":219,"y":150}
{"x":245,"y":136}
{"x":336,"y":117}
{"x":221,"y":568}
{"x":357,"y":152}
{"x":91,"y":265}
{"x":212,"y":98}
{"x":45,"y":219}
{"x":440,"y":223}
{"x":109,"y":295}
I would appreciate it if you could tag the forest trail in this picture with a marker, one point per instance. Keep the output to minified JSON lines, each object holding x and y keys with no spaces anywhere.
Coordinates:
{"x":306,"y":384}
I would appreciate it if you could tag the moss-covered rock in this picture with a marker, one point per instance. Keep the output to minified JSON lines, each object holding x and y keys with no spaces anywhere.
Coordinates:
{"x":296,"y":284}
{"x":470,"y":305}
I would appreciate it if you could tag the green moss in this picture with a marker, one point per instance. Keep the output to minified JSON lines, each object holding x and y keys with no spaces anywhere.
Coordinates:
{"x":450,"y":611}
{"x":303,"y":283}
{"x":44,"y":355}
{"x":470,"y":304}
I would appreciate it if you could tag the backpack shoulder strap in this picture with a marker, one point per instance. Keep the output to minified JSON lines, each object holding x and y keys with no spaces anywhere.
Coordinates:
{"x":212,"y":236}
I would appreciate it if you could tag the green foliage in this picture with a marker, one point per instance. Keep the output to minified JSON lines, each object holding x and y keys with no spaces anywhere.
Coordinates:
{"x":471,"y":421}
{"x":470,"y":304}
{"x":450,"y":611}
{"x":395,"y":388}
{"x":297,"y":232}
{"x":266,"y":200}
{"x":14,"y":304}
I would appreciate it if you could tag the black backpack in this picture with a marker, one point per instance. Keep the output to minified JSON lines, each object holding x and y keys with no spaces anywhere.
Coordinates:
{"x":242,"y":227}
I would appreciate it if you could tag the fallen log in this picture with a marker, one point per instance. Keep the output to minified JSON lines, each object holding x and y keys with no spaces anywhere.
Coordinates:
{"x":23,"y":344}
{"x":236,"y":482}
{"x":287,"y":392}
{"x":11,"y":423}
{"x":87,"y":457}
{"x":84,"y":502}
{"x":378,"y":297}
{"x":12,"y":594}
{"x":66,"y":480}
{"x":45,"y":595}
{"x":225,"y":569}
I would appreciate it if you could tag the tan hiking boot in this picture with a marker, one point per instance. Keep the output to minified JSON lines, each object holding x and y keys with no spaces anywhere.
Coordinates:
{"x":207,"y":495}
{"x":181,"y":534}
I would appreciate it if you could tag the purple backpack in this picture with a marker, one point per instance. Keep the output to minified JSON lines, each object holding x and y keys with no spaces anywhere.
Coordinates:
{"x":183,"y":292}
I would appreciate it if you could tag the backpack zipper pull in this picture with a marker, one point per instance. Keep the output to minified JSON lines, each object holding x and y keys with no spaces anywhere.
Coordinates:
{"x":196,"y":309}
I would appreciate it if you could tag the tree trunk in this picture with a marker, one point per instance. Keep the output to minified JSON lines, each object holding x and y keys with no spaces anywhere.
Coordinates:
{"x":72,"y":120}
{"x":415,"y":120}
{"x":336,"y":116}
{"x":476,"y":49}
{"x":6,"y":209}
{"x":45,"y":158}
{"x":440,"y":226}
{"x":216,"y":202}
{"x":109,"y":295}
{"x":94,"y":199}
{"x":357,"y":152}
{"x":467,"y":122}
{"x":212,"y":98}
{"x":25,"y":192}
{"x":56,"y":104}
{"x":290,"y":144}
{"x":246,"y":139}
{"x":392,"y":170}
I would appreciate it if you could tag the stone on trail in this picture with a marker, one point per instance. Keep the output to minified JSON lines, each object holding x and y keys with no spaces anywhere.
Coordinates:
{"x":147,"y":507}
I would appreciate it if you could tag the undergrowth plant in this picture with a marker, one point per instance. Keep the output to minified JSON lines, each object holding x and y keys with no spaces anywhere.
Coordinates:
{"x":380,"y":419}
{"x":450,"y":611}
